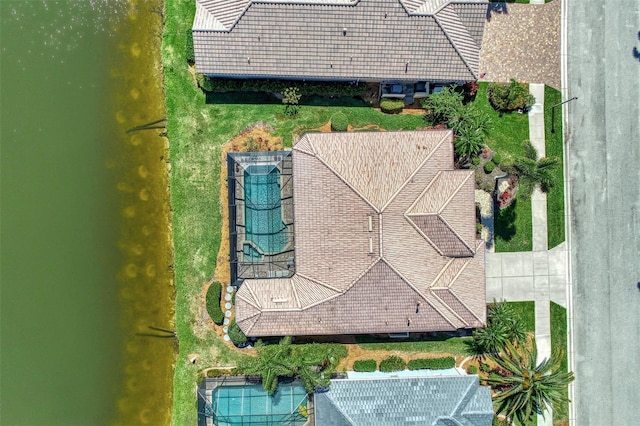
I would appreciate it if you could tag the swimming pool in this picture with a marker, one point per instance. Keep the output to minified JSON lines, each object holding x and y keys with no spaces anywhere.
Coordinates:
{"x":250,"y":404}
{"x":263,"y":209}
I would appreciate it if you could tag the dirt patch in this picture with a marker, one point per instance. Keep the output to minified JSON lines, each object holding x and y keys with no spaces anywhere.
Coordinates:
{"x":256,"y":137}
{"x":356,"y":352}
{"x":369,"y":127}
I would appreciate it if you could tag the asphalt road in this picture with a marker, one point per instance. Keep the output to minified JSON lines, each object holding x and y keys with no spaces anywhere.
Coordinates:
{"x":604,"y":174}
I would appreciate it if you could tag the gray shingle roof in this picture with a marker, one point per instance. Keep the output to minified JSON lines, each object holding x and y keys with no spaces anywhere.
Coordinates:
{"x":450,"y":400}
{"x":366,"y":262}
{"x":340,"y":39}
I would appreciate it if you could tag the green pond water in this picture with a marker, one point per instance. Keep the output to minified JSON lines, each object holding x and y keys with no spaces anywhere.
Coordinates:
{"x":85,"y":236}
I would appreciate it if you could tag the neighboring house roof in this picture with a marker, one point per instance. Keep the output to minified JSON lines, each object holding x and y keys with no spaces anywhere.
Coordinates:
{"x":428,"y":401}
{"x":340,"y":39}
{"x":384,"y":241}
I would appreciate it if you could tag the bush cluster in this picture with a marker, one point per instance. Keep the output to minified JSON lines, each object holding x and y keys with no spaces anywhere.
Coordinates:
{"x":213,"y":303}
{"x":367,"y":365}
{"x":339,"y":122}
{"x":432,"y":363}
{"x":222,"y":372}
{"x":496,"y":159}
{"x":393,"y":363}
{"x":209,"y":84}
{"x":391,"y":106}
{"x":189,"y":52}
{"x":472,"y":369}
{"x":489,"y":166}
{"x":235,"y":334}
{"x":509,"y":96}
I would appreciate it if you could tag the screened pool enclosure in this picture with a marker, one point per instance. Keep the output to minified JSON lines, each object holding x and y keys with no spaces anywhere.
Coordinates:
{"x":260,"y":215}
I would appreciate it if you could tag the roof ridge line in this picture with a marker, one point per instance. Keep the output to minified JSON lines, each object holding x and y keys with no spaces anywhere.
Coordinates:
{"x":443,"y":27}
{"x":305,"y":138}
{"x":449,"y":308}
{"x":462,"y":303}
{"x":292,"y":280}
{"x":254,"y":322}
{"x":444,"y":221}
{"x":458,"y":409}
{"x":434,"y":245}
{"x":367,"y":269}
{"x":464,"y":265}
{"x":347,"y":183}
{"x":455,"y":192}
{"x":421,"y":195}
{"x":317,"y":282}
{"x":415,"y":171}
{"x":259,"y":306}
{"x":447,"y":266}
{"x":419,"y":292}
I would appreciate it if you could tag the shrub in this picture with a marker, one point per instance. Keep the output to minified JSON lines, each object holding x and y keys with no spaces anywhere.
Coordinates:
{"x":393,"y":363}
{"x":470,"y":89}
{"x":189,"y":52}
{"x":367,"y":365}
{"x":235,"y":334}
{"x":221,"y":372}
{"x":205,"y":82}
{"x":472,"y":369}
{"x":432,"y":363}
{"x":443,"y":107}
{"x":509,"y":96}
{"x":291,"y":100}
{"x":339,"y":122}
{"x":496,"y":159}
{"x":391,"y":106}
{"x":484,"y":367}
{"x":279,"y":86}
{"x":213,"y":303}
{"x":489,"y":166}
{"x":475,"y":160}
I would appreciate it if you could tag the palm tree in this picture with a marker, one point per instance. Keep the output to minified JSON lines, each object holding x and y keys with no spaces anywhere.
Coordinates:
{"x":533,"y":172}
{"x":525,"y":387}
{"x":272,"y":362}
{"x":503,"y":326}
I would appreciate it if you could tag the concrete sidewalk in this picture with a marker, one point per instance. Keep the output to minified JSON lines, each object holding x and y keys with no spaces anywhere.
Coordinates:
{"x":538,"y":275}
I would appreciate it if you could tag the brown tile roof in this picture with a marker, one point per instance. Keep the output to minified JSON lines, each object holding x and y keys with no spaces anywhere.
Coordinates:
{"x":384,"y":39}
{"x":384,"y":227}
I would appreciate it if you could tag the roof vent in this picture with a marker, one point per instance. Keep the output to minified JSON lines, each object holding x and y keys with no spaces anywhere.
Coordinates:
{"x":248,"y":60}
{"x":344,"y":31}
{"x":406,"y":67}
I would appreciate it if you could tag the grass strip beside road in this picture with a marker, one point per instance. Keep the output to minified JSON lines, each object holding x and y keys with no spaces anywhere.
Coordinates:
{"x":559,"y":341}
{"x":554,"y":148}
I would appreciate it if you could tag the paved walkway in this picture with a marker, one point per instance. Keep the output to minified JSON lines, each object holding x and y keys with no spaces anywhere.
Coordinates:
{"x":538,"y":275}
{"x":522,"y":41}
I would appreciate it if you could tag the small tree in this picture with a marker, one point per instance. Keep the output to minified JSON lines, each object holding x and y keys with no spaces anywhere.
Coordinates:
{"x":532,"y":172}
{"x":291,"y":100}
{"x":503,"y":326}
{"x":528,"y":388}
{"x":509,"y":96}
{"x":469,"y":124}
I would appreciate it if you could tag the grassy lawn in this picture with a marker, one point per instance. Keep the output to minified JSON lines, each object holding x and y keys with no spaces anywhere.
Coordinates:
{"x":559,"y":340}
{"x":527,"y":312}
{"x":454,"y":345}
{"x":513,"y":225}
{"x":553,"y":148}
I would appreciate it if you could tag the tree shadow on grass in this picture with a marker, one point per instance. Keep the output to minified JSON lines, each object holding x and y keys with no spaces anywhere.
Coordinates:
{"x":505,"y":222}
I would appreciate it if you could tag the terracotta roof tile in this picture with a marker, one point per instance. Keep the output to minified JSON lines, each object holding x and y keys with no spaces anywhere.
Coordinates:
{"x":384,"y":39}
{"x":360,"y":271}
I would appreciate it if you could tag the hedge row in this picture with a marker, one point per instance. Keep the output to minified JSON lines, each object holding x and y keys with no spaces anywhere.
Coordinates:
{"x":393,"y":363}
{"x":213,"y":303}
{"x":366,"y":365}
{"x":432,"y":363}
{"x":391,"y":106}
{"x":278,"y":86}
